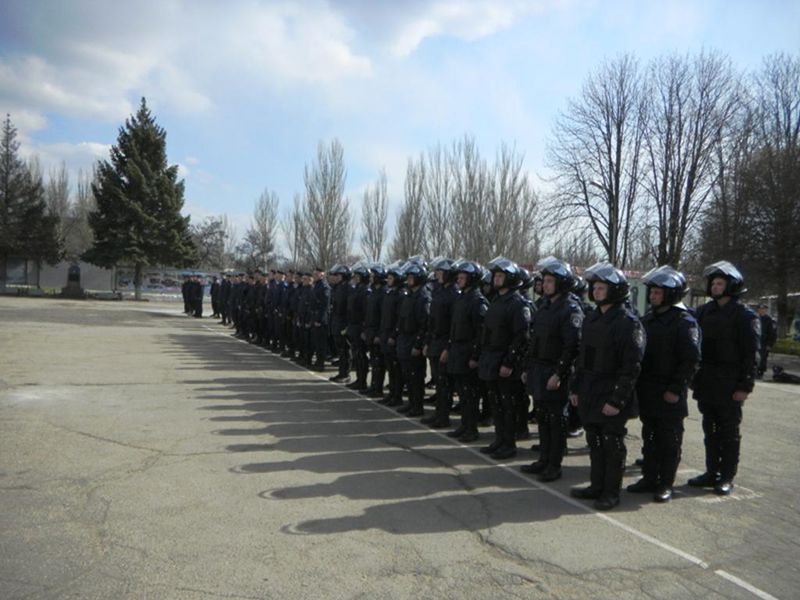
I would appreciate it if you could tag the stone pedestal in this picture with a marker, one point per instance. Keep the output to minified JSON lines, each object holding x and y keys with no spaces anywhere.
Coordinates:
{"x":73,"y":288}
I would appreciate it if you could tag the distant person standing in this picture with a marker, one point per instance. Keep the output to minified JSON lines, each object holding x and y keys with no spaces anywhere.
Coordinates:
{"x":769,"y":335}
{"x":729,"y":357}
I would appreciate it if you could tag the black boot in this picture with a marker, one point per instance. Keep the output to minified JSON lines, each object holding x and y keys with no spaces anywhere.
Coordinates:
{"x":614,"y":453}
{"x":597,"y":469}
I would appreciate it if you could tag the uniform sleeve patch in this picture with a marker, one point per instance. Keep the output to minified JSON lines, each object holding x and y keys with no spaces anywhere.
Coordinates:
{"x":694,"y":334}
{"x":577,"y":319}
{"x":526,"y":313}
{"x":638,"y":337}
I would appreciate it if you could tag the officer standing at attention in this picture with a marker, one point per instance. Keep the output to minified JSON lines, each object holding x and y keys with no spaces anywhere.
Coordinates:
{"x":356,"y":314}
{"x":464,"y":347}
{"x":412,"y":331}
{"x":609,"y":361}
{"x":340,"y":279}
{"x":555,"y":335}
{"x":320,"y":313}
{"x":504,"y":342}
{"x":444,"y":296}
{"x":731,"y":333}
{"x":390,"y":307}
{"x":670,"y":361}
{"x":372,"y":330}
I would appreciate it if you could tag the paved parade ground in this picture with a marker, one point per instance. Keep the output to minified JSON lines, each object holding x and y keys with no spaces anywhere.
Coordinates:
{"x":145,"y":454}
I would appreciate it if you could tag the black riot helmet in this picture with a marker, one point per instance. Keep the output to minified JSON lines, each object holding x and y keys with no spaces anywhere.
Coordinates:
{"x":486,"y":277}
{"x":378,"y":272}
{"x":417,"y":259}
{"x":607,"y":273}
{"x":525,"y":279}
{"x":342,"y":270}
{"x":668,"y":279}
{"x":446,"y":266}
{"x":501,"y":264}
{"x":362,"y":271}
{"x":397,"y":271}
{"x":558,"y":269}
{"x":727,"y":271}
{"x":579,"y":287}
{"x":472,"y":270}
{"x":417,"y":271}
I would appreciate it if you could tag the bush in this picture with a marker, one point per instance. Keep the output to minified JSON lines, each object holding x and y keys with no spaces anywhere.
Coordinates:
{"x":787,"y":346}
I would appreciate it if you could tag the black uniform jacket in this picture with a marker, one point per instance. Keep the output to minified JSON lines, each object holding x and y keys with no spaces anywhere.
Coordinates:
{"x":412,"y":322}
{"x":442,"y":302}
{"x":320,"y":302}
{"x":731,"y":342}
{"x":469,"y":312}
{"x":357,"y":310}
{"x":556,"y":334}
{"x":504,"y":339}
{"x":670,"y":361}
{"x":372,"y":322}
{"x":609,"y":361}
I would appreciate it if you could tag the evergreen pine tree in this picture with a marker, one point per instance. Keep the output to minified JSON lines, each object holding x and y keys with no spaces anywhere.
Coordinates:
{"x":27,"y":229}
{"x":139,"y":199}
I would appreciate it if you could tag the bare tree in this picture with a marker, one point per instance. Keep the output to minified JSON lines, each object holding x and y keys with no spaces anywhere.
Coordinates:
{"x":514,"y":209}
{"x":209,"y":240}
{"x":373,"y":217}
{"x":292,"y":227}
{"x":772,"y":177}
{"x":257,"y":249}
{"x":690,"y":105}
{"x":77,"y":232}
{"x":230,"y":241}
{"x":437,"y":203}
{"x":56,"y":193}
{"x":471,"y":198}
{"x":410,"y":226}
{"x":327,"y":223}
{"x":595,"y":153}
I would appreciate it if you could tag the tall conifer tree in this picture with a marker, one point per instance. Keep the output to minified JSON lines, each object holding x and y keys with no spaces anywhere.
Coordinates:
{"x":139,"y":199}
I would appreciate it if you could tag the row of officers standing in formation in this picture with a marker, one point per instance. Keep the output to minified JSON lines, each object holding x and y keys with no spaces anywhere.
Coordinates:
{"x":484,"y":339}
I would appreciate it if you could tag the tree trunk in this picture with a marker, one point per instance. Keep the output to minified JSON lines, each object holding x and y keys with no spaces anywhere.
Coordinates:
{"x":3,"y":273}
{"x":137,"y":281}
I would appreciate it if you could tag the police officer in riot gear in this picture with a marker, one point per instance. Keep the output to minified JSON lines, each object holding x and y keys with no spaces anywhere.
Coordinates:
{"x":443,"y":297}
{"x":464,"y":346}
{"x":728,"y":363}
{"x":356,"y":314}
{"x":390,"y":307}
{"x":340,"y":290}
{"x":504,"y":342}
{"x":372,"y":330}
{"x":412,"y":331}
{"x":669,"y":363}
{"x":555,"y":335}
{"x":609,"y":360}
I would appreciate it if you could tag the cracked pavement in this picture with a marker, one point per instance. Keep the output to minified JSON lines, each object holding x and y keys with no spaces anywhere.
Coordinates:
{"x":144,"y":454}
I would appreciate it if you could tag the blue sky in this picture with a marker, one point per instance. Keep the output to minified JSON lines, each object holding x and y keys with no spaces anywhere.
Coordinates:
{"x":246,"y":89}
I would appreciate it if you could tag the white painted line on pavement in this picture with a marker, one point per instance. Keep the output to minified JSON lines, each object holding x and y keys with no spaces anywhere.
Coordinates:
{"x":508,"y":468}
{"x":741,"y":583}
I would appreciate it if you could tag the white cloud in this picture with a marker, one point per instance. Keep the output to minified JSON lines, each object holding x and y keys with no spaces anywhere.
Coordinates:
{"x":466,"y":20}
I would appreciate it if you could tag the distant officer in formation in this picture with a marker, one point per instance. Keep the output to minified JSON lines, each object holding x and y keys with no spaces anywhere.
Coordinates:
{"x":769,"y":335}
{"x":485,"y":338}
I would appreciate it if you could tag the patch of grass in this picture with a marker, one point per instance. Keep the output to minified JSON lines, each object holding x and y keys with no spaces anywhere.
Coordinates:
{"x":787,"y":346}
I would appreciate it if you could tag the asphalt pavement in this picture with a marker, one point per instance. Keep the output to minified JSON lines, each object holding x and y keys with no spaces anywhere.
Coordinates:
{"x":146,"y":454}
